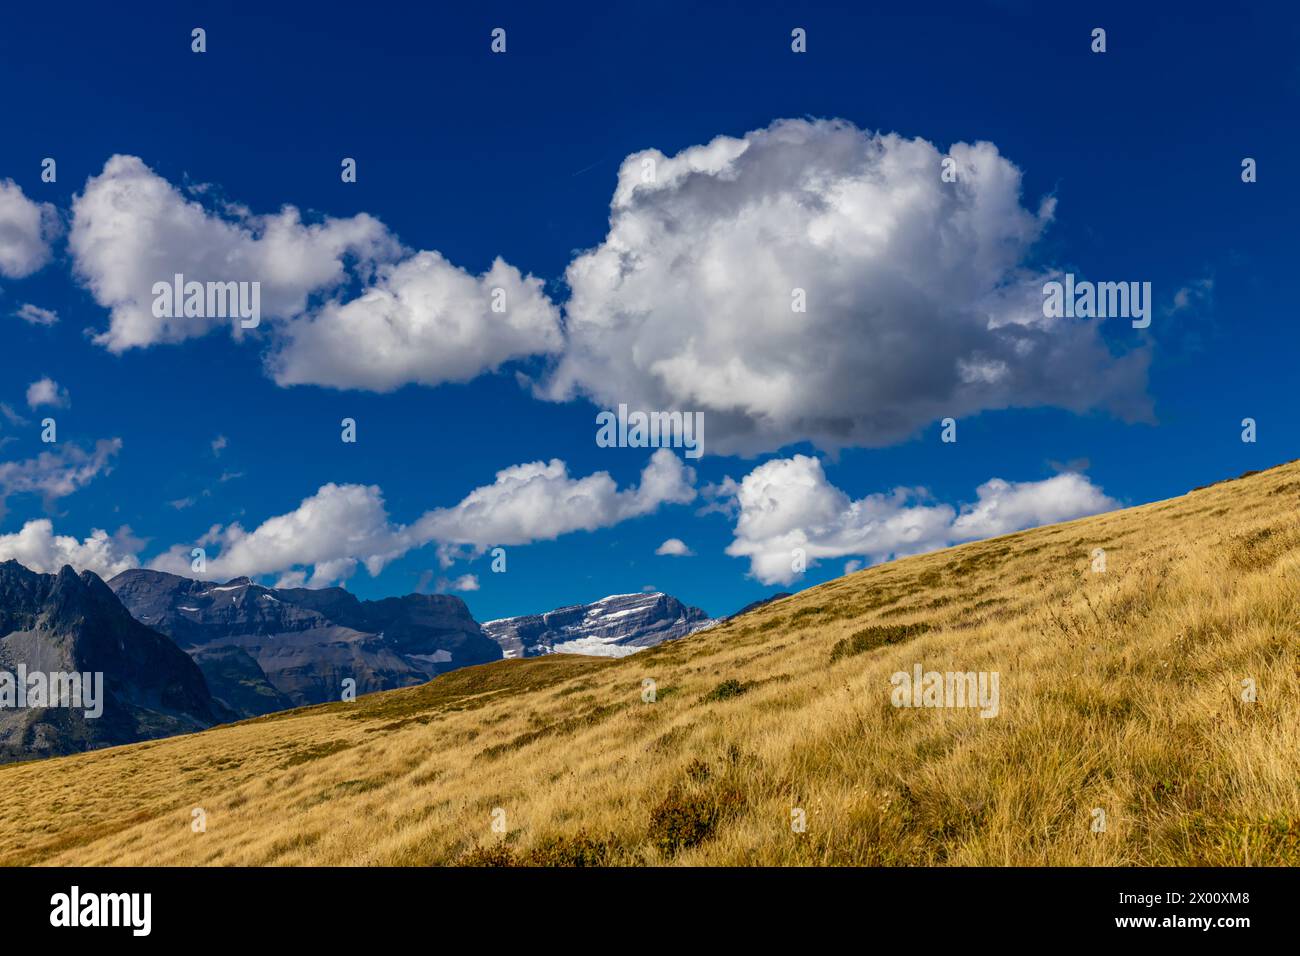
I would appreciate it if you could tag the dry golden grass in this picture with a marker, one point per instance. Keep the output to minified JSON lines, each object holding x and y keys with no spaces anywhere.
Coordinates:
{"x":1119,"y":691}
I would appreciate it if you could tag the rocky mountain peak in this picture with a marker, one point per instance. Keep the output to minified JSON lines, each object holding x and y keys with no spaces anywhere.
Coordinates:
{"x":66,"y":623}
{"x":613,"y":626}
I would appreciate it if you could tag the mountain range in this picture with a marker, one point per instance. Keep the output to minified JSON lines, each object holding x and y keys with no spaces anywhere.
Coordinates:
{"x":178,"y":654}
{"x":264,"y":649}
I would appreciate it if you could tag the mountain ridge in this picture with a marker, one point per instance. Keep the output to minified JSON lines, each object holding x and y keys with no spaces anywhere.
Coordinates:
{"x":300,"y":644}
{"x":73,"y":623}
{"x":613,"y":626}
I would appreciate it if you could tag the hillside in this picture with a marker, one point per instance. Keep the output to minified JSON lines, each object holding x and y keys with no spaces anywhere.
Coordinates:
{"x":1120,"y":692}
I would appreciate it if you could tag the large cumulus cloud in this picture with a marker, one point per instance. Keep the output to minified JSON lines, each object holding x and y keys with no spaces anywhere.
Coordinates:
{"x":132,"y":228}
{"x":918,"y":301}
{"x":346,"y":304}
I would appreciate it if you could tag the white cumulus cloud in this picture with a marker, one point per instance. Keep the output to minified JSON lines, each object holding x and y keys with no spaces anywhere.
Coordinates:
{"x":788,"y":504}
{"x":416,"y":319}
{"x":539,"y":501}
{"x":918,"y":302}
{"x":1002,"y":507}
{"x":132,"y":228}
{"x":27,"y":229}
{"x":674,"y":548}
{"x":37,"y":547}
{"x":343,"y":527}
{"x":333,"y":531}
{"x":423,"y":321}
{"x":46,"y":391}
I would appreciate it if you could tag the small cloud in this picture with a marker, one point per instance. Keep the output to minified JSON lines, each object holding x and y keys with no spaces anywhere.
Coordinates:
{"x":1191,"y":325}
{"x":128,"y":541}
{"x":292,"y":579}
{"x":851,"y":566}
{"x":674,"y":548}
{"x":720,"y":498}
{"x":218,"y":444}
{"x":11,"y":416}
{"x":341,"y":528}
{"x":27,"y":230}
{"x":466,"y":582}
{"x":649,"y":589}
{"x":57,"y":474}
{"x":35,"y":315}
{"x":1195,"y":295}
{"x":1076,"y":466}
{"x":539,"y":501}
{"x":180,"y":504}
{"x":46,"y":391}
{"x":230,"y":476}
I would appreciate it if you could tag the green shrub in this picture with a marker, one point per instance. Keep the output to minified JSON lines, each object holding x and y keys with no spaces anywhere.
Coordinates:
{"x":686,"y":818}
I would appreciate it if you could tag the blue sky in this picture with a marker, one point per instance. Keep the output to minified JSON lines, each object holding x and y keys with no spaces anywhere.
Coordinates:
{"x":478,"y":156}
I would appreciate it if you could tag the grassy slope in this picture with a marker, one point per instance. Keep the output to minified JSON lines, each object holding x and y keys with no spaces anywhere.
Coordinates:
{"x":1119,"y":691}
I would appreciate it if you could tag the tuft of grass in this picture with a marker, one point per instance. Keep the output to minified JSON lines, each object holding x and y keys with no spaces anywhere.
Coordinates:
{"x":304,"y":755}
{"x":877,"y":635}
{"x":727,"y":690}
